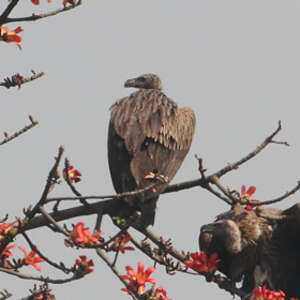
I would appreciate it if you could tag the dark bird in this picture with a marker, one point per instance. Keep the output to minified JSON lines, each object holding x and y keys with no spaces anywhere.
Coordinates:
{"x":239,"y":237}
{"x":282,"y":258}
{"x":148,"y":134}
{"x":257,"y":247}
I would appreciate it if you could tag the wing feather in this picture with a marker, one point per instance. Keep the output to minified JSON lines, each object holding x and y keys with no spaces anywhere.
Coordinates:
{"x":151,"y":114}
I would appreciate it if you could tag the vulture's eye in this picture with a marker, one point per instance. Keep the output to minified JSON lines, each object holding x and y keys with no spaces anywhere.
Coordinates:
{"x":143,"y":79}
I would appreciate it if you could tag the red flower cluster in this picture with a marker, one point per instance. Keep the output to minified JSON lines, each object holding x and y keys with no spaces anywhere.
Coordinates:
{"x":161,"y":294}
{"x":248,"y":195}
{"x":137,"y":279}
{"x":10,"y":36}
{"x":6,"y":252}
{"x":31,"y":258}
{"x":120,"y":242}
{"x":262,"y":293}
{"x":6,"y":228}
{"x":201,"y":262}
{"x":81,"y":235}
{"x":84,"y":265}
{"x":73,"y":174}
{"x":4,"y":262}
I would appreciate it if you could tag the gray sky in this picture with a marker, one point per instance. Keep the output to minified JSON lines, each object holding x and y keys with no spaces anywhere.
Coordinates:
{"x":236,"y":63}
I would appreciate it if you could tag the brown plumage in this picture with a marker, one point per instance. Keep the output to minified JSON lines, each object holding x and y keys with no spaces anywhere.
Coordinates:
{"x":147,"y":133}
{"x":238,"y":237}
{"x":257,"y":247}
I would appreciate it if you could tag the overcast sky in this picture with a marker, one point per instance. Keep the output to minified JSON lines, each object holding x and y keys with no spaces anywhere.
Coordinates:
{"x":236,"y":63}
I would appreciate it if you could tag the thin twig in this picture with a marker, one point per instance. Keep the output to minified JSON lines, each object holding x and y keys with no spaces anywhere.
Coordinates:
{"x":35,"y":17}
{"x":46,"y":259}
{"x":69,"y":183}
{"x":18,"y":80}
{"x":215,"y":181}
{"x":116,"y":272}
{"x":53,"y":222}
{"x":258,"y":149}
{"x":5,"y":294}
{"x":272,"y":201}
{"x":114,"y":196}
{"x":41,"y":278}
{"x":19,"y":132}
{"x":52,"y":177}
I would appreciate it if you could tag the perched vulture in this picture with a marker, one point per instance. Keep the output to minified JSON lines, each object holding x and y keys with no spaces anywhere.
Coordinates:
{"x":148,"y":133}
{"x":238,"y":237}
{"x":258,"y":247}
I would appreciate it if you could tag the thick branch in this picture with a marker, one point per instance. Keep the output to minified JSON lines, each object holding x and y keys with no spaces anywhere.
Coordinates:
{"x":7,"y":11}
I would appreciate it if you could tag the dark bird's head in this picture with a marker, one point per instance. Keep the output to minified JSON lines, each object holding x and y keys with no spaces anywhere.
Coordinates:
{"x":146,"y":81}
{"x":223,"y":232}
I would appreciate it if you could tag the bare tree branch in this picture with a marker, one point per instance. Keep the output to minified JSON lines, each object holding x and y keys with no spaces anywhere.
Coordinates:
{"x":18,"y":80}
{"x":38,"y":278}
{"x":35,"y":17}
{"x":257,"y":150}
{"x":21,"y":131}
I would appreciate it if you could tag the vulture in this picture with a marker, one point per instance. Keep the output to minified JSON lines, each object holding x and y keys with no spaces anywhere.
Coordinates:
{"x":257,"y":247}
{"x":238,"y":237}
{"x":148,"y":134}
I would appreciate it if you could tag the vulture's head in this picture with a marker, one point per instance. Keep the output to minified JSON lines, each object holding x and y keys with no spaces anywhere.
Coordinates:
{"x":223,"y":232}
{"x":146,"y":81}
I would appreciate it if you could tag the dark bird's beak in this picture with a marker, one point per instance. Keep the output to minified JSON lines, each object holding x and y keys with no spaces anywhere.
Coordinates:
{"x":205,"y":238}
{"x":208,"y":228}
{"x":130,"y":83}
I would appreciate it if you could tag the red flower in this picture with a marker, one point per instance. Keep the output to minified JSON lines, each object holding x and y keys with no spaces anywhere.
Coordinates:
{"x":4,"y":228}
{"x":74,"y":175}
{"x":247,"y":195}
{"x":202,"y":262}
{"x":138,"y":279}
{"x":8,"y":228}
{"x":6,"y":252}
{"x":10,"y":36}
{"x":37,"y":2}
{"x":31,"y":259}
{"x":81,"y":235}
{"x":84,"y":265}
{"x":120,"y":242}
{"x":161,"y":294}
{"x":4,"y":262}
{"x":262,"y":293}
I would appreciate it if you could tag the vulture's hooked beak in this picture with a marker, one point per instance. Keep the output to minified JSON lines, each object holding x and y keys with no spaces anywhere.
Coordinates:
{"x":208,"y":228}
{"x":130,"y":83}
{"x":205,"y":237}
